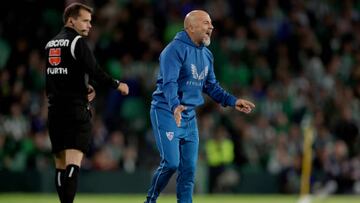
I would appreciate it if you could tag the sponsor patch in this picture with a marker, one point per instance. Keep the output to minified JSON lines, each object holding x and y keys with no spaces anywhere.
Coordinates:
{"x":55,"y":56}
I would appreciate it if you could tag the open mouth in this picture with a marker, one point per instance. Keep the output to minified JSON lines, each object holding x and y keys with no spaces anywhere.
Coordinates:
{"x":208,"y":33}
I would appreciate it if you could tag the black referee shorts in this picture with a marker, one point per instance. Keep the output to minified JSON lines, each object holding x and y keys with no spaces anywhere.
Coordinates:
{"x":69,"y":127}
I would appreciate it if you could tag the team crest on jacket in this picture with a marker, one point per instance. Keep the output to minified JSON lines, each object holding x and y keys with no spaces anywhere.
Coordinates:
{"x":54,"y":56}
{"x":198,"y":76}
{"x":170,"y":135}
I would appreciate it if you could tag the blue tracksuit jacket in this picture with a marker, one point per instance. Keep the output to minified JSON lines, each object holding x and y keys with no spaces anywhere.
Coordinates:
{"x":187,"y":70}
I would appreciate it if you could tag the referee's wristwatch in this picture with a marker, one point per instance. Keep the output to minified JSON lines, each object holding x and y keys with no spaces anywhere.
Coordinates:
{"x":117,"y":83}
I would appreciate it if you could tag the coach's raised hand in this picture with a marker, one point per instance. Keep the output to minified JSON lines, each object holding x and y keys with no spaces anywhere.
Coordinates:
{"x":244,"y":105}
{"x":123,"y":88}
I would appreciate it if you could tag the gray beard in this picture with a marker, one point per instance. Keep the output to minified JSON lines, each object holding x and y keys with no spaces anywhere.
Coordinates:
{"x":206,"y":42}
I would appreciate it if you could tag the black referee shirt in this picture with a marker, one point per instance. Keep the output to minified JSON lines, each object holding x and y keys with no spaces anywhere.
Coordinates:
{"x":70,"y":65}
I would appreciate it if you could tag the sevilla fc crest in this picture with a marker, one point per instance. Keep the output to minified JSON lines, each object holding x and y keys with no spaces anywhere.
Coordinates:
{"x":170,"y":135}
{"x":54,"y":56}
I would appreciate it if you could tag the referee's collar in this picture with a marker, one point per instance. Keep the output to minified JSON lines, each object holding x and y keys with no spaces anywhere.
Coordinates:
{"x":70,"y":29}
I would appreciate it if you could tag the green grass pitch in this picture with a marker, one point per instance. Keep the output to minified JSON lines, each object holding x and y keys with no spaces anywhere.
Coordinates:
{"x":119,"y":198}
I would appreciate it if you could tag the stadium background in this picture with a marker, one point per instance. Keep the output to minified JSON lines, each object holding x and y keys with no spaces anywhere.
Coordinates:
{"x":295,"y":59}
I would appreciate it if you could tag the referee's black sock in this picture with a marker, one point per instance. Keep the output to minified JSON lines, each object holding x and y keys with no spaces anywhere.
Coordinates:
{"x":70,"y":183}
{"x":59,"y":183}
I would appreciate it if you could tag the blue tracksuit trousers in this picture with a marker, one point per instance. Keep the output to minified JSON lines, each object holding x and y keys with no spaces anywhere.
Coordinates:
{"x":178,"y":147}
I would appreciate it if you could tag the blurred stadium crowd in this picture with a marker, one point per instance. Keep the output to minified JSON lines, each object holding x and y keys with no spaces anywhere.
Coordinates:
{"x":295,"y":59}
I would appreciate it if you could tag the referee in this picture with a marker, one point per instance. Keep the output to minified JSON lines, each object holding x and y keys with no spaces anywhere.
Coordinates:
{"x":70,"y":69}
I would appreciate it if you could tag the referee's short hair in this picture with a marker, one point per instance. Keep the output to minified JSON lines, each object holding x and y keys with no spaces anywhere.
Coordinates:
{"x":73,"y":10}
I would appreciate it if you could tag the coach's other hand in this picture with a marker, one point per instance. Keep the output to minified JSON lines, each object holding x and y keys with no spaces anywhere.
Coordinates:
{"x":123,"y":88}
{"x":177,"y":114}
{"x":244,"y":105}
